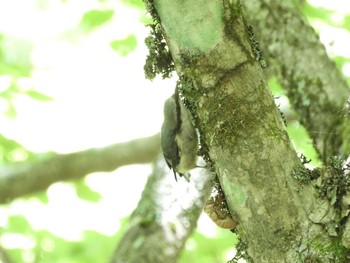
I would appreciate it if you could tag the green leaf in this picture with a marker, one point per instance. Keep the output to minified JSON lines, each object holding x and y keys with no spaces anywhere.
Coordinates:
{"x":85,"y":192}
{"x":124,"y":46}
{"x":326,"y":16}
{"x":205,"y":249}
{"x":146,"y":19}
{"x":38,"y":95}
{"x":7,"y":147}
{"x":42,"y":197}
{"x":317,"y":13}
{"x":18,"y":224}
{"x":346,"y":24}
{"x":11,"y":110}
{"x":135,"y":3}
{"x":97,"y":247}
{"x":95,"y":18}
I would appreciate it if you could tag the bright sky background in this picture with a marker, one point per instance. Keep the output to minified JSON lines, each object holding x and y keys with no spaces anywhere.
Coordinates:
{"x":100,"y":98}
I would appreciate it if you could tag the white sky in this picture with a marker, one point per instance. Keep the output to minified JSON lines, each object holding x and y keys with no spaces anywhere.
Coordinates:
{"x":100,"y":99}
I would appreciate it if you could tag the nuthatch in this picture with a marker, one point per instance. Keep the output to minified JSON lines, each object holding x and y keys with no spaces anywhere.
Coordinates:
{"x":179,"y":139}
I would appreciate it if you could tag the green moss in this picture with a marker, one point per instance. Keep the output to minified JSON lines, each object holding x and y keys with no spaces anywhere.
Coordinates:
{"x":231,"y":16}
{"x":159,"y":60}
{"x":147,"y":219}
{"x":227,"y":130}
{"x":335,"y":181}
{"x":190,"y":60}
{"x":236,"y":7}
{"x":332,"y":180}
{"x":241,"y":253}
{"x":151,"y":10}
{"x":233,"y":27}
{"x":332,"y":183}
{"x":254,"y":43}
{"x":303,"y":174}
{"x":332,"y":251}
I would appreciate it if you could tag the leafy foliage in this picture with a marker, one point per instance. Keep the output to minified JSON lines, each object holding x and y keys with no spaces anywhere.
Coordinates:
{"x":95,"y":18}
{"x":85,"y":192}
{"x":8,"y":150}
{"x":38,"y":95}
{"x":134,"y":3}
{"x":124,"y":46}
{"x":46,"y":247}
{"x":326,"y":16}
{"x":203,"y":249}
{"x":335,"y":181}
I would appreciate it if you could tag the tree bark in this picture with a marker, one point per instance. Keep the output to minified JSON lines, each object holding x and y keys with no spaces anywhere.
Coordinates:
{"x":315,"y":88}
{"x":242,"y":135}
{"x":164,"y":218}
{"x":24,"y":178}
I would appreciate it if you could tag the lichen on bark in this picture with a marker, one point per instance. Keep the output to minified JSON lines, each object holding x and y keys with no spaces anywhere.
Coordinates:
{"x":245,"y":138}
{"x":159,"y":60}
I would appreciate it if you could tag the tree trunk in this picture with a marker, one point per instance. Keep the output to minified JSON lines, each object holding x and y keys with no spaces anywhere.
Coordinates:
{"x":243,"y":137}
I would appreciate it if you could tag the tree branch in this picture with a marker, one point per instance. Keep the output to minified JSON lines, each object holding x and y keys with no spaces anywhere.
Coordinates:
{"x":315,"y":87}
{"x":24,"y":178}
{"x":165,"y":217}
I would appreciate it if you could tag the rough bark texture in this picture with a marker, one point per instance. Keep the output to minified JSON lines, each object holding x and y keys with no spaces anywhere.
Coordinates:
{"x":242,"y":133}
{"x":164,"y":218}
{"x":24,"y":178}
{"x":314,"y":86}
